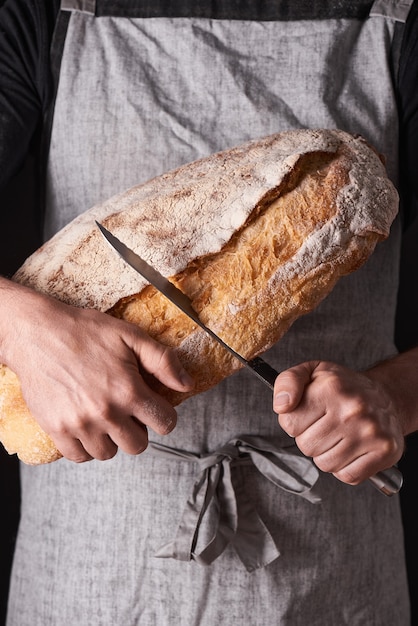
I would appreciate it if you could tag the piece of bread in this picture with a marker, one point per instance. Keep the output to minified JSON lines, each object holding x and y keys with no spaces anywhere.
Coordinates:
{"x":256,"y":236}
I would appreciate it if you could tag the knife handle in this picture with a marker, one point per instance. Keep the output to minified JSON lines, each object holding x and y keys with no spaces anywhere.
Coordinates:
{"x":388,"y":481}
{"x":263,"y":370}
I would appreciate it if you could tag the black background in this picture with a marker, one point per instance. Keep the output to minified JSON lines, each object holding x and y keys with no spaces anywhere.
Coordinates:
{"x":18,"y":203}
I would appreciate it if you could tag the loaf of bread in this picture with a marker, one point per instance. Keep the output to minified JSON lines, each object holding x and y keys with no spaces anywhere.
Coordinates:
{"x":256,"y":236}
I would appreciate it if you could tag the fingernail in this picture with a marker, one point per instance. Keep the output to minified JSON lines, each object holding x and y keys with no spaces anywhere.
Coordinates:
{"x":281,"y":401}
{"x":186,"y":379}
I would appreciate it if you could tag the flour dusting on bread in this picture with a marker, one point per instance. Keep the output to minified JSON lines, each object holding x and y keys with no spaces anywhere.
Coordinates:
{"x":187,"y":213}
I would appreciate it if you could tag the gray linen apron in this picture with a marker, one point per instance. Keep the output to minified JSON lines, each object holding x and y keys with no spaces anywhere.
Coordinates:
{"x":137,"y":96}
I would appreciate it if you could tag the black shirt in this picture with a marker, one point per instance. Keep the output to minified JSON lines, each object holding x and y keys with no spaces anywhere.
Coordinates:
{"x":27,"y":85}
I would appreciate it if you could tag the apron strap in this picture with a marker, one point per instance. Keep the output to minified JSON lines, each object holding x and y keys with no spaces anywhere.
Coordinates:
{"x":83,"y":6}
{"x":398,"y":10}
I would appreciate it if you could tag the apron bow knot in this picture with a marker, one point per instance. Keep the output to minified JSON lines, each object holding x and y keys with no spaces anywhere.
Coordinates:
{"x":221,"y":501}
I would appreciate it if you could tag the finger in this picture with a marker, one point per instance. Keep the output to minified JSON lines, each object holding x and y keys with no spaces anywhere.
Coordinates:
{"x":318,"y":439}
{"x":124,"y":423}
{"x":340,"y":455}
{"x":100,"y":446}
{"x":162,"y":362}
{"x":354,"y":461}
{"x":357,"y":471}
{"x":360,"y":469}
{"x":72,"y":449}
{"x":154,"y":412}
{"x":130,"y":435}
{"x":290,"y":385}
{"x":85,"y":443}
{"x":127,"y":434}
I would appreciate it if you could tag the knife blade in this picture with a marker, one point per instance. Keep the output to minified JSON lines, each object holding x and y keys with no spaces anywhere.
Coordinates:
{"x":387,"y":481}
{"x":258,"y":366}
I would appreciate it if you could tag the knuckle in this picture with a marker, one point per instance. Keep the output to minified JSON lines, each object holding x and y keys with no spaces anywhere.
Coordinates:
{"x":60,"y":430}
{"x":166,"y":429}
{"x":370,"y":431}
{"x":77,"y":456}
{"x":286,"y":377}
{"x":105,"y":455}
{"x":333,"y":384}
{"x":306,"y":445}
{"x":80,"y":459}
{"x":165,"y":426}
{"x":325,"y":464}
{"x":161,"y":417}
{"x":390,"y":447}
{"x":288,"y":424}
{"x":358,"y":410}
{"x":348,"y":477}
{"x":139,"y":449}
{"x":128,"y":397}
{"x":166,"y":359}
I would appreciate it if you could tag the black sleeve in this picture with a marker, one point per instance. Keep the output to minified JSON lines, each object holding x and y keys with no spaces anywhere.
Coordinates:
{"x":408,"y":109}
{"x":26,"y":28}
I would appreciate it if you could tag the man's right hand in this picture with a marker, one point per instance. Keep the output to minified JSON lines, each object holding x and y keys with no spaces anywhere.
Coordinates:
{"x":81,"y":374}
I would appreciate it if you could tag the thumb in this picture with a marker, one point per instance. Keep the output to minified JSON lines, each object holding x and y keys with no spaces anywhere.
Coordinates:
{"x":290,"y":385}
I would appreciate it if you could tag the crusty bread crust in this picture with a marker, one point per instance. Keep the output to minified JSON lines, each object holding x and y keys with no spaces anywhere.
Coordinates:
{"x":256,"y":236}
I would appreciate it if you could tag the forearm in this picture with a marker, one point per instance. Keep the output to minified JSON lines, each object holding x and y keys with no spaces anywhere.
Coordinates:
{"x":12,"y":297}
{"x":85,"y":388}
{"x":23,"y":311}
{"x":398,"y":377}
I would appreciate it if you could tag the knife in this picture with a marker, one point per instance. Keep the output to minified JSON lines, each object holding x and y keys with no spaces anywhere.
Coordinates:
{"x":388,"y":481}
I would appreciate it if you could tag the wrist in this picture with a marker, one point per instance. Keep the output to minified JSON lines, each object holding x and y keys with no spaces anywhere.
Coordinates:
{"x":17,"y":313}
{"x":397,"y":378}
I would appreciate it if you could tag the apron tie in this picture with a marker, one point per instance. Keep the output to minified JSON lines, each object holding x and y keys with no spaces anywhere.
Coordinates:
{"x":218,"y":490}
